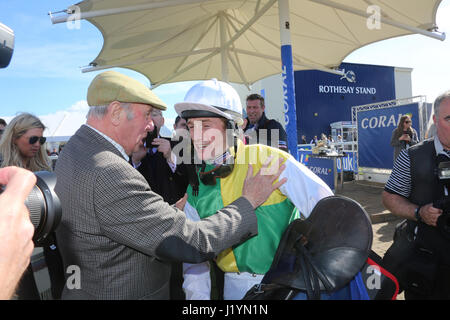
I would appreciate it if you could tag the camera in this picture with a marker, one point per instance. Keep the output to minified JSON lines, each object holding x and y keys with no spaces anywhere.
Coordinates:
{"x":44,"y":206}
{"x":151,"y":135}
{"x":6,"y":45}
{"x":409,"y":133}
{"x":443,"y":222}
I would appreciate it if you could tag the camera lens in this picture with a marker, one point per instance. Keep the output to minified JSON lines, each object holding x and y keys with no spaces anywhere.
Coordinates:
{"x":44,"y":206}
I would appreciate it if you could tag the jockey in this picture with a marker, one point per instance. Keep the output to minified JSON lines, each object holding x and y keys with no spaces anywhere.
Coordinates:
{"x":213,"y":113}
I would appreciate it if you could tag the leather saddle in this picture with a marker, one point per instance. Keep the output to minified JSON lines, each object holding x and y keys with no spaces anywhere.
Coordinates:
{"x":320,"y":254}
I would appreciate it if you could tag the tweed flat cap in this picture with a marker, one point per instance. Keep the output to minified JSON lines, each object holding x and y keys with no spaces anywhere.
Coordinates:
{"x":112,"y":86}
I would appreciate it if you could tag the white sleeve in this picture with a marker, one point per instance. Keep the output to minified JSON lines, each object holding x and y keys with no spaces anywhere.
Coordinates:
{"x":197,"y":280}
{"x":303,"y":187}
{"x":172,"y":162}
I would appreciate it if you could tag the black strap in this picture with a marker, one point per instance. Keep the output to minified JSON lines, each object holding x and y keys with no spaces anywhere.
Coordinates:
{"x":311,"y":273}
{"x":309,"y":276}
{"x":320,"y":275}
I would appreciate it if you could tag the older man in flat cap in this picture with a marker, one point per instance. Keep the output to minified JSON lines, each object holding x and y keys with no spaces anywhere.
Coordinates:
{"x":116,"y":236}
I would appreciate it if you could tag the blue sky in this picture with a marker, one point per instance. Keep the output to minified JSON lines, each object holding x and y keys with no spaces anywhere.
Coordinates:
{"x":45,"y":75}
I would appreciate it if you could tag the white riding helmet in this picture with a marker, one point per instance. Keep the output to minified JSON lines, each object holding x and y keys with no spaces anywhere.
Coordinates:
{"x":211,"y":98}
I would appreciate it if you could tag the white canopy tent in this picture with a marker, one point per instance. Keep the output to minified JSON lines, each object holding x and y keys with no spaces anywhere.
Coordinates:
{"x":239,"y":40}
{"x":243,"y":41}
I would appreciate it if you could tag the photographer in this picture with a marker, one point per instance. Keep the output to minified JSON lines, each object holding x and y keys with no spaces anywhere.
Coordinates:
{"x":16,"y":230}
{"x":409,"y":193}
{"x":404,"y":136}
{"x":23,"y":145}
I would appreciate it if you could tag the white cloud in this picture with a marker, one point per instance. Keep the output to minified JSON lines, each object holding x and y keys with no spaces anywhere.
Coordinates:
{"x":63,"y":122}
{"x":80,"y":106}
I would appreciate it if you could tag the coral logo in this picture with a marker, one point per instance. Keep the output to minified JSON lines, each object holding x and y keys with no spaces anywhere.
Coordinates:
{"x":320,"y":170}
{"x":304,"y":158}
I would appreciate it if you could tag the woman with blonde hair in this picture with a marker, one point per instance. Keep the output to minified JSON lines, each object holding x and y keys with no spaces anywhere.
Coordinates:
{"x":22,"y":144}
{"x":404,"y":136}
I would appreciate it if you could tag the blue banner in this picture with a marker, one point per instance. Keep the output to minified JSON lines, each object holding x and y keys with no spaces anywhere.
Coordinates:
{"x":374,"y":134}
{"x":290,"y":114}
{"x":322,"y":167}
{"x":348,"y":163}
{"x":323,"y":98}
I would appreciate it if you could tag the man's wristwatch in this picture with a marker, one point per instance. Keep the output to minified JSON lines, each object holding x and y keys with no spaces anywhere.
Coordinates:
{"x":417,"y":215}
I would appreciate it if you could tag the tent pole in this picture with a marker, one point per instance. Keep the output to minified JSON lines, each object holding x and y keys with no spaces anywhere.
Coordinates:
{"x":290,"y":114}
{"x":223,"y":47}
{"x":238,"y":34}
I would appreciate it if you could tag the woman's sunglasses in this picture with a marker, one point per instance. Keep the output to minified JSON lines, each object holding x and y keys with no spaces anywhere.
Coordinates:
{"x":34,"y":139}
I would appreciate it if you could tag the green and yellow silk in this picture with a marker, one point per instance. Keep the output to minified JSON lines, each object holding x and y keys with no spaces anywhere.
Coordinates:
{"x":256,"y":254}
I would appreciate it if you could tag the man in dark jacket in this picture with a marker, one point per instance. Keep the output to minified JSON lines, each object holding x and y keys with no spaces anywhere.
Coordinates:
{"x":259,"y":129}
{"x":157,"y":164}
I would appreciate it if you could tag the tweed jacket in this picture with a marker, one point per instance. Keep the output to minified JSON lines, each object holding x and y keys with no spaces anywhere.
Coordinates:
{"x":120,"y":235}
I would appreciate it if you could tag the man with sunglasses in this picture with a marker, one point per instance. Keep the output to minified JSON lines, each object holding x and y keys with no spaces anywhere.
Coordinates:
{"x":221,"y":161}
{"x":118,"y":234}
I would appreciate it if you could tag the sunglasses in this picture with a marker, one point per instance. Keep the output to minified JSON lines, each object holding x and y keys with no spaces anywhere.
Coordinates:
{"x":35,"y":139}
{"x":407,"y":121}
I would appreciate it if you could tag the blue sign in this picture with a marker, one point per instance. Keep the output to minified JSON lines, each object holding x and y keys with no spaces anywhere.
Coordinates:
{"x":290,"y":115}
{"x":374,"y":134}
{"x":322,"y":167}
{"x":303,"y":156}
{"x":348,"y":163}
{"x":323,"y":98}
